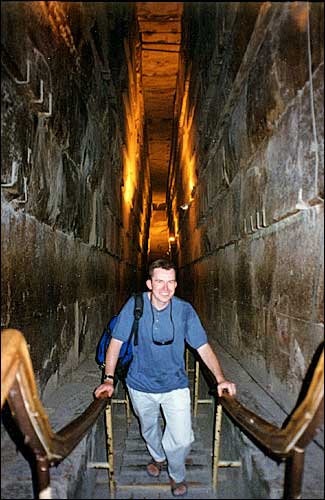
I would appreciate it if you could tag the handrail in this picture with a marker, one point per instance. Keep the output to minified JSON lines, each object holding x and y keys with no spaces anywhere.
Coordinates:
{"x":300,"y":428}
{"x":289,"y":441}
{"x":18,"y":387}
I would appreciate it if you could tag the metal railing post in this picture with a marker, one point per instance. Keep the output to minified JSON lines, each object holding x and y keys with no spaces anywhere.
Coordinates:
{"x":196,"y":387}
{"x":110,"y":449}
{"x":196,"y":398}
{"x":216,"y":446}
{"x":128,"y":409}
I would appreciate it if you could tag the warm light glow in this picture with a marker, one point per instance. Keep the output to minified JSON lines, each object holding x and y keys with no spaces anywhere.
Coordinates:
{"x":299,"y":12}
{"x":129,"y":171}
{"x":132,"y":112}
{"x":59,"y":21}
{"x":172,"y":239}
{"x":131,"y":156}
{"x":183,"y":196}
{"x":188,"y":156}
{"x":175,"y":217}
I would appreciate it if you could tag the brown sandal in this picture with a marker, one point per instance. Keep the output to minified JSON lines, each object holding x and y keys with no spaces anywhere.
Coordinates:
{"x":178,"y":489}
{"x":154,"y":468}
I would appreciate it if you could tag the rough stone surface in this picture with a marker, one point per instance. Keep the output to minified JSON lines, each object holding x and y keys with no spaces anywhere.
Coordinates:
{"x":71,"y":243}
{"x":250,"y":246}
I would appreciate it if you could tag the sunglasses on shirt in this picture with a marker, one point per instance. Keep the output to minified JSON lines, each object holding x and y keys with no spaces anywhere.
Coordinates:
{"x":164,"y":342}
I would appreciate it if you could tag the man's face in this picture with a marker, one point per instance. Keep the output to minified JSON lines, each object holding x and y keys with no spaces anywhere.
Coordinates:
{"x":162,"y":285}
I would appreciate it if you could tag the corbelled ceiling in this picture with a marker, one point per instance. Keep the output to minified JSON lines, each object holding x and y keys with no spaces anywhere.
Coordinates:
{"x":160,"y":35}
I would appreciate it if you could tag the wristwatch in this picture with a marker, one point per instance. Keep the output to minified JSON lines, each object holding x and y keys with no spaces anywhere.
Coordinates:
{"x":109,"y":377}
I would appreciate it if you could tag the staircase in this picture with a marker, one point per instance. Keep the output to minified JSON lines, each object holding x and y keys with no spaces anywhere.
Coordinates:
{"x":132,"y":480}
{"x":131,"y":457}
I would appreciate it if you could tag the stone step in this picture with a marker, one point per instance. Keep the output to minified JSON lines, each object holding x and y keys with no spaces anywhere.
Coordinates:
{"x":139,"y":446}
{"x":151,"y":491}
{"x":134,"y":425}
{"x":133,"y":481}
{"x":101,"y":491}
{"x":134,"y":441}
{"x":140,"y":456}
{"x":137,"y":473}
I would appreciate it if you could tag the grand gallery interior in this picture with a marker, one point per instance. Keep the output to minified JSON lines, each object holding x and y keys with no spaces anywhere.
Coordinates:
{"x":192,"y":131}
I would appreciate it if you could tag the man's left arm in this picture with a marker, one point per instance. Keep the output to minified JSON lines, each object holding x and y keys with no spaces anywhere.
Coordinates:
{"x":210,"y":359}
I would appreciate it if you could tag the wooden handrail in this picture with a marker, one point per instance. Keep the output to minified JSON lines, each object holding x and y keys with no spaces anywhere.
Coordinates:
{"x":18,"y":387}
{"x":289,"y":441}
{"x":299,"y":430}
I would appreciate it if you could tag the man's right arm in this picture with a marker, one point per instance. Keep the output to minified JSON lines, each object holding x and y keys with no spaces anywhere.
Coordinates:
{"x":210,"y":359}
{"x":106,"y":389}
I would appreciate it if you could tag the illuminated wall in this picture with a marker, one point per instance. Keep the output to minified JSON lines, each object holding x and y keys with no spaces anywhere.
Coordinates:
{"x":136,"y":188}
{"x":76,"y":212}
{"x":182,"y":181}
{"x":250,"y":138}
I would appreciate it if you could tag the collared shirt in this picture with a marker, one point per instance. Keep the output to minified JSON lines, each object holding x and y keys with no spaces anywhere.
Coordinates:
{"x":160,"y":368}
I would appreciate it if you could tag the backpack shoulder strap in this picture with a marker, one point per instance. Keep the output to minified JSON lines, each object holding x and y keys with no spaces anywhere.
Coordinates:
{"x":138,"y":310}
{"x":138,"y":305}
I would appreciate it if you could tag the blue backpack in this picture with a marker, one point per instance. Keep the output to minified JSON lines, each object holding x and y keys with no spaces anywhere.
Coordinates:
{"x":126,"y":353}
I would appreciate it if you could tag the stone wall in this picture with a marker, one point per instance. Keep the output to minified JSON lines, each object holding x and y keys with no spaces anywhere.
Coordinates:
{"x":71,"y":242}
{"x":250,"y":245}
{"x":245,"y":199}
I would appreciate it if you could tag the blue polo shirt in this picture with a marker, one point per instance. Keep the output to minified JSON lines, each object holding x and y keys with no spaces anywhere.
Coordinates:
{"x":160,"y":368}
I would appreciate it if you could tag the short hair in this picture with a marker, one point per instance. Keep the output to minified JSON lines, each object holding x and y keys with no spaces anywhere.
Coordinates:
{"x":161,"y":264}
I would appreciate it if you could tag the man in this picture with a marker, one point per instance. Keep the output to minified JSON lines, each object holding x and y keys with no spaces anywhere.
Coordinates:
{"x":157,"y":377}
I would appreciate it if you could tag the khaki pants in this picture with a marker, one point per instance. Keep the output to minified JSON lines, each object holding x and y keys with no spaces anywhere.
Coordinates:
{"x":174,"y":443}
